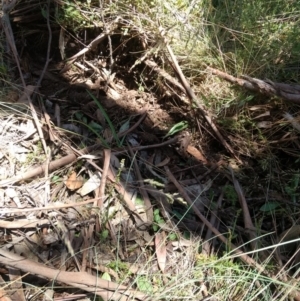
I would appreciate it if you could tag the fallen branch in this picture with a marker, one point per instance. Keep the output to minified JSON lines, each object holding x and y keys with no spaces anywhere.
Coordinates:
{"x":249,"y":227}
{"x":54,"y":207}
{"x":106,"y":289}
{"x":95,"y":42}
{"x":193,"y":99}
{"x":68,"y":159}
{"x":267,"y":87}
{"x":23,"y":223}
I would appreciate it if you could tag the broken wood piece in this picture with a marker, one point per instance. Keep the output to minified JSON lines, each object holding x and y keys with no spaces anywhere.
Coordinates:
{"x":106,"y":289}
{"x":23,"y":223}
{"x":96,"y":41}
{"x":54,"y":207}
{"x":193,"y":99}
{"x":266,"y":87}
{"x":165,"y":75}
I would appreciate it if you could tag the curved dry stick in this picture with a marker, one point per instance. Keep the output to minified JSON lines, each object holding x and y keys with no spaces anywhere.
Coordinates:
{"x":267,"y":87}
{"x":23,"y":223}
{"x":106,"y":289}
{"x":250,"y":229}
{"x":54,"y":207}
{"x":193,"y":98}
{"x":65,"y":160}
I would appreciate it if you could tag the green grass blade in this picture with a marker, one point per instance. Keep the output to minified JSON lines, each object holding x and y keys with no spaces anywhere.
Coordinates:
{"x":111,"y":126}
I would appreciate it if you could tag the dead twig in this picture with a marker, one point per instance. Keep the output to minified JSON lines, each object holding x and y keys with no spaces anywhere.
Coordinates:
{"x":103,"y":288}
{"x":55,"y":207}
{"x":23,"y":223}
{"x":65,"y":160}
{"x":250,"y":229}
{"x":143,"y":147}
{"x":95,"y":42}
{"x":267,"y":87}
{"x":190,"y":93}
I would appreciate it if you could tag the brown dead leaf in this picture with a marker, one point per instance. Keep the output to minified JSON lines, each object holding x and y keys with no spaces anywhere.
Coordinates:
{"x":74,"y":182}
{"x":161,"y":250}
{"x":196,"y":154}
{"x":4,"y":296}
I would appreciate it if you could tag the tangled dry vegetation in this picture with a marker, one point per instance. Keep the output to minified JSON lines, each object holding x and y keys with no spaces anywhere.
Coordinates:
{"x":148,"y":151}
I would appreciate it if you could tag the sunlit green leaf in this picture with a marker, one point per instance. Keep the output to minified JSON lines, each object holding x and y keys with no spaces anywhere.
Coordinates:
{"x":144,"y":285}
{"x":172,"y":236}
{"x":177,"y":128}
{"x":106,"y":276}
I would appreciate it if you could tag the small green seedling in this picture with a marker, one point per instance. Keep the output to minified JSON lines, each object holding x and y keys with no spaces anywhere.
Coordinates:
{"x":157,"y":219}
{"x":178,"y":127}
{"x":112,"y":128}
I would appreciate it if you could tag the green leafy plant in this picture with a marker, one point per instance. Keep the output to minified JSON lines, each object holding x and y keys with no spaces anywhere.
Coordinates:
{"x":69,"y":15}
{"x":111,"y":126}
{"x":144,"y":285}
{"x":96,"y":132}
{"x":178,"y":127}
{"x":158,"y":220}
{"x":119,"y":266}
